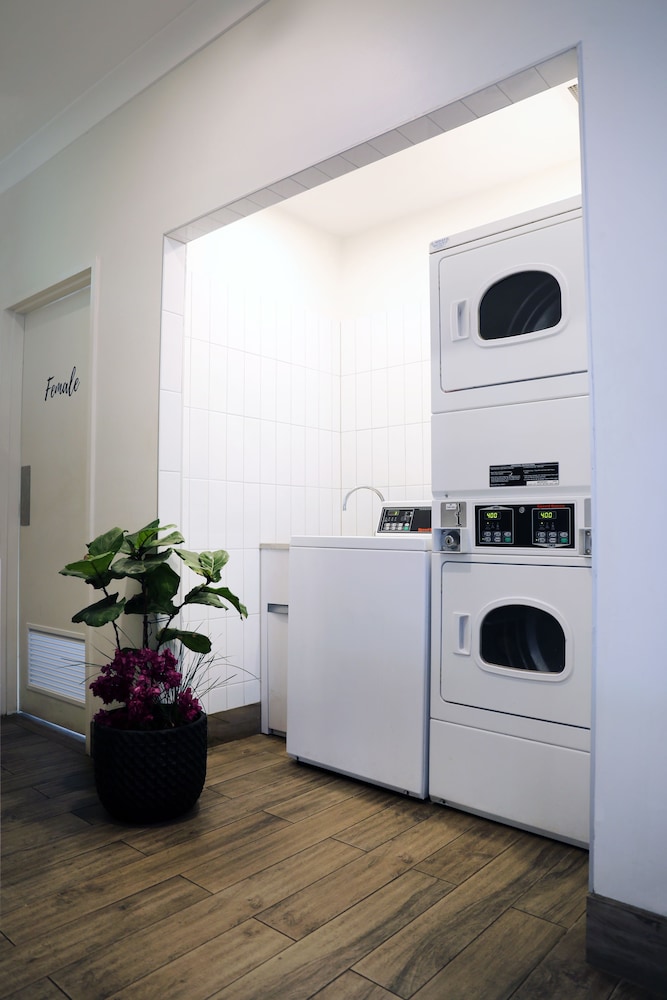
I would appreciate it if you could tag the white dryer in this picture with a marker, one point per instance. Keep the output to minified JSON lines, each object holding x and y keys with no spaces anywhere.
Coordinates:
{"x":511,"y":661}
{"x":508,"y":316}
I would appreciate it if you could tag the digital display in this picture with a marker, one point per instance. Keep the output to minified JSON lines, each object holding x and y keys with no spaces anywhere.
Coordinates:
{"x":526,"y":526}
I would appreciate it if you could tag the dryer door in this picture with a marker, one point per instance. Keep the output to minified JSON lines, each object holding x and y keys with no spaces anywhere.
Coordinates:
{"x":516,"y":638}
{"x":511,"y":308}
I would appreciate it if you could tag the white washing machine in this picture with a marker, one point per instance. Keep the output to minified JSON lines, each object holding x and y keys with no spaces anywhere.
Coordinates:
{"x":511,"y":660}
{"x":359,"y":651}
{"x":508,"y":316}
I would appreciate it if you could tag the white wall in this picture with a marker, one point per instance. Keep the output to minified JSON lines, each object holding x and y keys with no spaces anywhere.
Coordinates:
{"x":251,"y":387}
{"x":274,"y":96}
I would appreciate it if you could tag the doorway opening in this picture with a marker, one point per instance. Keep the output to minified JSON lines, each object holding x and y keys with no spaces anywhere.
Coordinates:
{"x":295,"y":337}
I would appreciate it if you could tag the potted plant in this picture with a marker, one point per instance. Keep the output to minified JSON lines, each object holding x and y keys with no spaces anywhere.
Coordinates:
{"x":149,"y":748}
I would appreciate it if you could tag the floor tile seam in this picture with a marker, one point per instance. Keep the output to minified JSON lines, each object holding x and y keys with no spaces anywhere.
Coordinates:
{"x":304,"y":846}
{"x":233,"y":751}
{"x":536,"y":916}
{"x":212,"y":779}
{"x":389,"y":840}
{"x":447,"y":899}
{"x":284,"y":781}
{"x":302,"y":942}
{"x":424,"y":944}
{"x":338,"y":871}
{"x":471,"y":874}
{"x":541,"y":916}
{"x":245,"y":874}
{"x":9,"y":854}
{"x":62,"y":971}
{"x":471,"y":942}
{"x":31,"y":949}
{"x":188,"y":951}
{"x":284,"y":778}
{"x":34,"y":879}
{"x":210,"y":894}
{"x":113,"y":838}
{"x":60,"y":809}
{"x":326,"y":808}
{"x":335,"y":943}
{"x":88,"y":891}
{"x":210,"y":834}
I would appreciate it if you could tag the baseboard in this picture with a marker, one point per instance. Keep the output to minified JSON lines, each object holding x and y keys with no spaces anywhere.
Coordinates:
{"x":627,"y":942}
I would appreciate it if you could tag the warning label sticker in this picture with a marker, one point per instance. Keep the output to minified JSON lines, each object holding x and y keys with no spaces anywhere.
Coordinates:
{"x":524,"y":474}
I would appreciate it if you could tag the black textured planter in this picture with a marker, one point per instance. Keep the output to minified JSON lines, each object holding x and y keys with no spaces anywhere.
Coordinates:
{"x":147,"y":776}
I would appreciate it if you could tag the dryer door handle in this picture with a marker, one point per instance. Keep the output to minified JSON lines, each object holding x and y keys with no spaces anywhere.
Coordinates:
{"x":462,"y":631}
{"x":460,"y":324}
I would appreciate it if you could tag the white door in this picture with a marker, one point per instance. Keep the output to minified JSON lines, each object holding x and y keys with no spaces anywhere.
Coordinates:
{"x":511,"y":307}
{"x":55,"y":422}
{"x":516,"y":638}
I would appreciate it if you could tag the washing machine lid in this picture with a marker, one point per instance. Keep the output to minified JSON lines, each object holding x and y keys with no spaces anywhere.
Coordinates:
{"x":404,"y":542}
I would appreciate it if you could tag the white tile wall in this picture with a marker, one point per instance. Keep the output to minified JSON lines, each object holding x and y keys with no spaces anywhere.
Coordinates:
{"x":271,"y":411}
{"x":385,"y":411}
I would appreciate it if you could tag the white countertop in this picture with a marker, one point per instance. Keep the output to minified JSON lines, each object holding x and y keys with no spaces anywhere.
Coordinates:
{"x":418,"y":541}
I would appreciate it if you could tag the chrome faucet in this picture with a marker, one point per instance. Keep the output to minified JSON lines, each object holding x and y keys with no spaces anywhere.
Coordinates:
{"x":350,"y":492}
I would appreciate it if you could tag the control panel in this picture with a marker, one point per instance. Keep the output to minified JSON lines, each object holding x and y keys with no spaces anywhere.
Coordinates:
{"x":404,"y":519}
{"x":525,"y":525}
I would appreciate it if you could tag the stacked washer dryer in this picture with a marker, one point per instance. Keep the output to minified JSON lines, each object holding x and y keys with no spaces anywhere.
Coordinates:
{"x":512,"y":622}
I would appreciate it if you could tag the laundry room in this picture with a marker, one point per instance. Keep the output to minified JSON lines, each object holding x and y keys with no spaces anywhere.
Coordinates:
{"x":317,"y":309}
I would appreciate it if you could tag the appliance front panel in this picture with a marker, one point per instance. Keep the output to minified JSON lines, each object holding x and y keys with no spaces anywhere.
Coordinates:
{"x":515,"y":638}
{"x":510,"y":308}
{"x":358,"y":657}
{"x":534,"y":785}
{"x":469,"y":446}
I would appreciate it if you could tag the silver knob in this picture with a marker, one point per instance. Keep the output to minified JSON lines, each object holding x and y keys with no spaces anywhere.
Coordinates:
{"x":452,"y":540}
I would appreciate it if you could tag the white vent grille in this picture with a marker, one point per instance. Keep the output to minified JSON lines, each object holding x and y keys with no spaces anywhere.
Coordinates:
{"x":56,"y":663}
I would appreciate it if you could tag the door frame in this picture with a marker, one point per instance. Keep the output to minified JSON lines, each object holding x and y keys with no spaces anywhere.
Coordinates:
{"x":9,"y":558}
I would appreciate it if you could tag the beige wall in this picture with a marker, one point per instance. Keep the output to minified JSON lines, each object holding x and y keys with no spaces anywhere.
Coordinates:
{"x":291,"y":85}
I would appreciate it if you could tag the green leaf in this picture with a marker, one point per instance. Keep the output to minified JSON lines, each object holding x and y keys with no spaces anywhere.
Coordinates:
{"x":201,"y":595}
{"x":195,"y":641}
{"x":212,"y":597}
{"x":110,"y":541}
{"x":94,"y":570}
{"x":136,"y":568}
{"x":206,"y":564}
{"x":232,"y":598}
{"x":191,"y":559}
{"x":139,"y":538}
{"x":101,"y":613}
{"x":162,"y":583}
{"x":160,"y":587}
{"x":175,"y":538}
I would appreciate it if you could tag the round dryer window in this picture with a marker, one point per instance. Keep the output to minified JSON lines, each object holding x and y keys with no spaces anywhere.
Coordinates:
{"x":521,"y":303}
{"x":522,"y":637}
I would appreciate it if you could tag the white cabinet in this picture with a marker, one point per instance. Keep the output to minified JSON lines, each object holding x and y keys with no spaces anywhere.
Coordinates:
{"x":274,"y":560}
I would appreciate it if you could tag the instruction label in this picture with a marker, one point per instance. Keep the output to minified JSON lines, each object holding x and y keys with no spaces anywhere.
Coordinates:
{"x":524,"y":474}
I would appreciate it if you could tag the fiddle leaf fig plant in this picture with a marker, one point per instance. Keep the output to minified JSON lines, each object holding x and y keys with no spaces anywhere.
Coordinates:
{"x":143,"y":557}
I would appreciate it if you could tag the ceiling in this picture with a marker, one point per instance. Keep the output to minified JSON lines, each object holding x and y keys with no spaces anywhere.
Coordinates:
{"x":523,"y":139}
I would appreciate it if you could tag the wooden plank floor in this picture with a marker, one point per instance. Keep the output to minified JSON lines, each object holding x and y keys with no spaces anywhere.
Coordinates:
{"x":286,"y":882}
